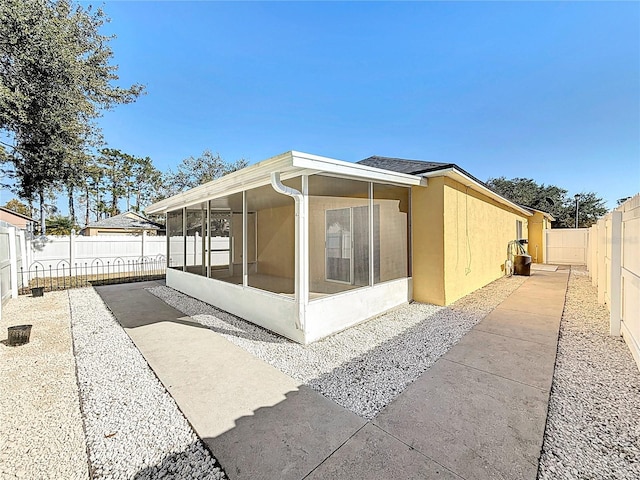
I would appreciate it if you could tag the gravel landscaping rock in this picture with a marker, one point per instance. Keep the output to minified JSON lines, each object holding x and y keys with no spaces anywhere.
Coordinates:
{"x":593,"y":424}
{"x":364,"y":367}
{"x":41,"y":432}
{"x":134,"y":429}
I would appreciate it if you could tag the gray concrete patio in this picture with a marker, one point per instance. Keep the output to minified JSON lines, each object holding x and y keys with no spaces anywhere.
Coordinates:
{"x":479,"y":412}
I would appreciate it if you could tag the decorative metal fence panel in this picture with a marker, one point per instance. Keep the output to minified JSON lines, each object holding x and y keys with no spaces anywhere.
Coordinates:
{"x":61,"y":275}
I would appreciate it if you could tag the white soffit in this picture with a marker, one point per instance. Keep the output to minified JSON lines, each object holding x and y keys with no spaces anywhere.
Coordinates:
{"x":289,"y":164}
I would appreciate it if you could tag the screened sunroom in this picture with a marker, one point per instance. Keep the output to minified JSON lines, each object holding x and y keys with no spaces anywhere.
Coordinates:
{"x":302,"y":245}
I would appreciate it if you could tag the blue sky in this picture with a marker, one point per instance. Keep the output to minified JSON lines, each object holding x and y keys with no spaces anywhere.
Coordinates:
{"x":549,"y":91}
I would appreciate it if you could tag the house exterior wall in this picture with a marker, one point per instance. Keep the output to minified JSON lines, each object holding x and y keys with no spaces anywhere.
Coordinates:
{"x":276,"y":241}
{"x":538,"y":223}
{"x":460,"y":239}
{"x":427,"y":220}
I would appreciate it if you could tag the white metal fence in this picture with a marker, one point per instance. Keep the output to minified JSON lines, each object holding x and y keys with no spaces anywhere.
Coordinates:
{"x":567,"y":246}
{"x":614,"y":265}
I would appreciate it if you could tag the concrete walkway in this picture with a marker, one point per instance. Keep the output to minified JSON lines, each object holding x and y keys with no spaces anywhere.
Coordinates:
{"x":479,"y":412}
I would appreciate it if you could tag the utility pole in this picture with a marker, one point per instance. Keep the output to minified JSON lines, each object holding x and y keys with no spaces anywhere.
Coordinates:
{"x":577,"y":197}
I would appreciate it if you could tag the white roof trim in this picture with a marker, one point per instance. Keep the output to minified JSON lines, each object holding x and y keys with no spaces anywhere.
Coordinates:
{"x":289,"y":164}
{"x":467,"y":181}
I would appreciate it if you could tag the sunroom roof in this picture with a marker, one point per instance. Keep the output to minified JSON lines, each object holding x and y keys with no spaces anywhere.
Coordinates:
{"x":289,"y":164}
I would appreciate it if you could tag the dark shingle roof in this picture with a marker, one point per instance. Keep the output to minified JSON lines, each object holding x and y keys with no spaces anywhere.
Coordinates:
{"x":414,"y":167}
{"x":402,"y":165}
{"x":128,"y":220}
{"x":417,"y":167}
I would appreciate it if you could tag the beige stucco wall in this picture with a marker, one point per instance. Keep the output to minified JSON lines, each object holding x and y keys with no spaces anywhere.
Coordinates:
{"x":427,"y":223}
{"x":538,"y":223}
{"x":460,"y":239}
{"x":276,"y":241}
{"x":477,"y":231}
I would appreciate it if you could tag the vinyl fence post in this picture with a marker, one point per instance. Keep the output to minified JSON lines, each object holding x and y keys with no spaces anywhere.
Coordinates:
{"x":72,"y":248}
{"x":13,"y":266}
{"x":616,"y":274}
{"x":602,"y":253}
{"x":593,"y":245}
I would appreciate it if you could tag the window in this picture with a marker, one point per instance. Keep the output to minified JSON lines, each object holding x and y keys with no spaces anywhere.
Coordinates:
{"x":518,"y":229}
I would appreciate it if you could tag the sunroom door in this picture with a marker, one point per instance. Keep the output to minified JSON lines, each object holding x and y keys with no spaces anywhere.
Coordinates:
{"x":347,"y":245}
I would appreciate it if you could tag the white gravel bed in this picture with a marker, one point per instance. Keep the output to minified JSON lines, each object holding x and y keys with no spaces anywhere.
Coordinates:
{"x":593,"y":424}
{"x":364,"y":367}
{"x":133,"y":427}
{"x":41,"y":434}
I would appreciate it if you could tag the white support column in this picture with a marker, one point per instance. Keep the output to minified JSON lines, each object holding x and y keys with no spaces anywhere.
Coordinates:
{"x":303,"y":248}
{"x":13,"y":258}
{"x":616,"y":274}
{"x":371,"y":218}
{"x":245,"y":223}
{"x":184,"y":239}
{"x":208,"y":242}
{"x":142,"y":245}
{"x":168,"y":238}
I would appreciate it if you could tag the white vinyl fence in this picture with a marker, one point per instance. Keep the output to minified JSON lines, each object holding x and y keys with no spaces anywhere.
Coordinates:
{"x":566,"y":246}
{"x":80,"y":250}
{"x":614,"y":266}
{"x":13,"y":256}
{"x":62,"y":260}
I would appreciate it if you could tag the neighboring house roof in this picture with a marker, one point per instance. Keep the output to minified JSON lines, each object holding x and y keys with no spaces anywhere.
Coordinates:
{"x":435,"y":169}
{"x":127,"y":221}
{"x":8,"y":210}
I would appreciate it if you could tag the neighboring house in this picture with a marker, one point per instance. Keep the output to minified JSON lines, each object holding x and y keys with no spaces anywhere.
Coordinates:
{"x":307,"y":246}
{"x":538,"y":223}
{"x":128,"y":223}
{"x":16,"y":219}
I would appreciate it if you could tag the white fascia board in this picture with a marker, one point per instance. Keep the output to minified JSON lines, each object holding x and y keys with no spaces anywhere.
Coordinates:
{"x":289,"y":164}
{"x":460,"y":177}
{"x":249,"y":177}
{"x":353,"y":170}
